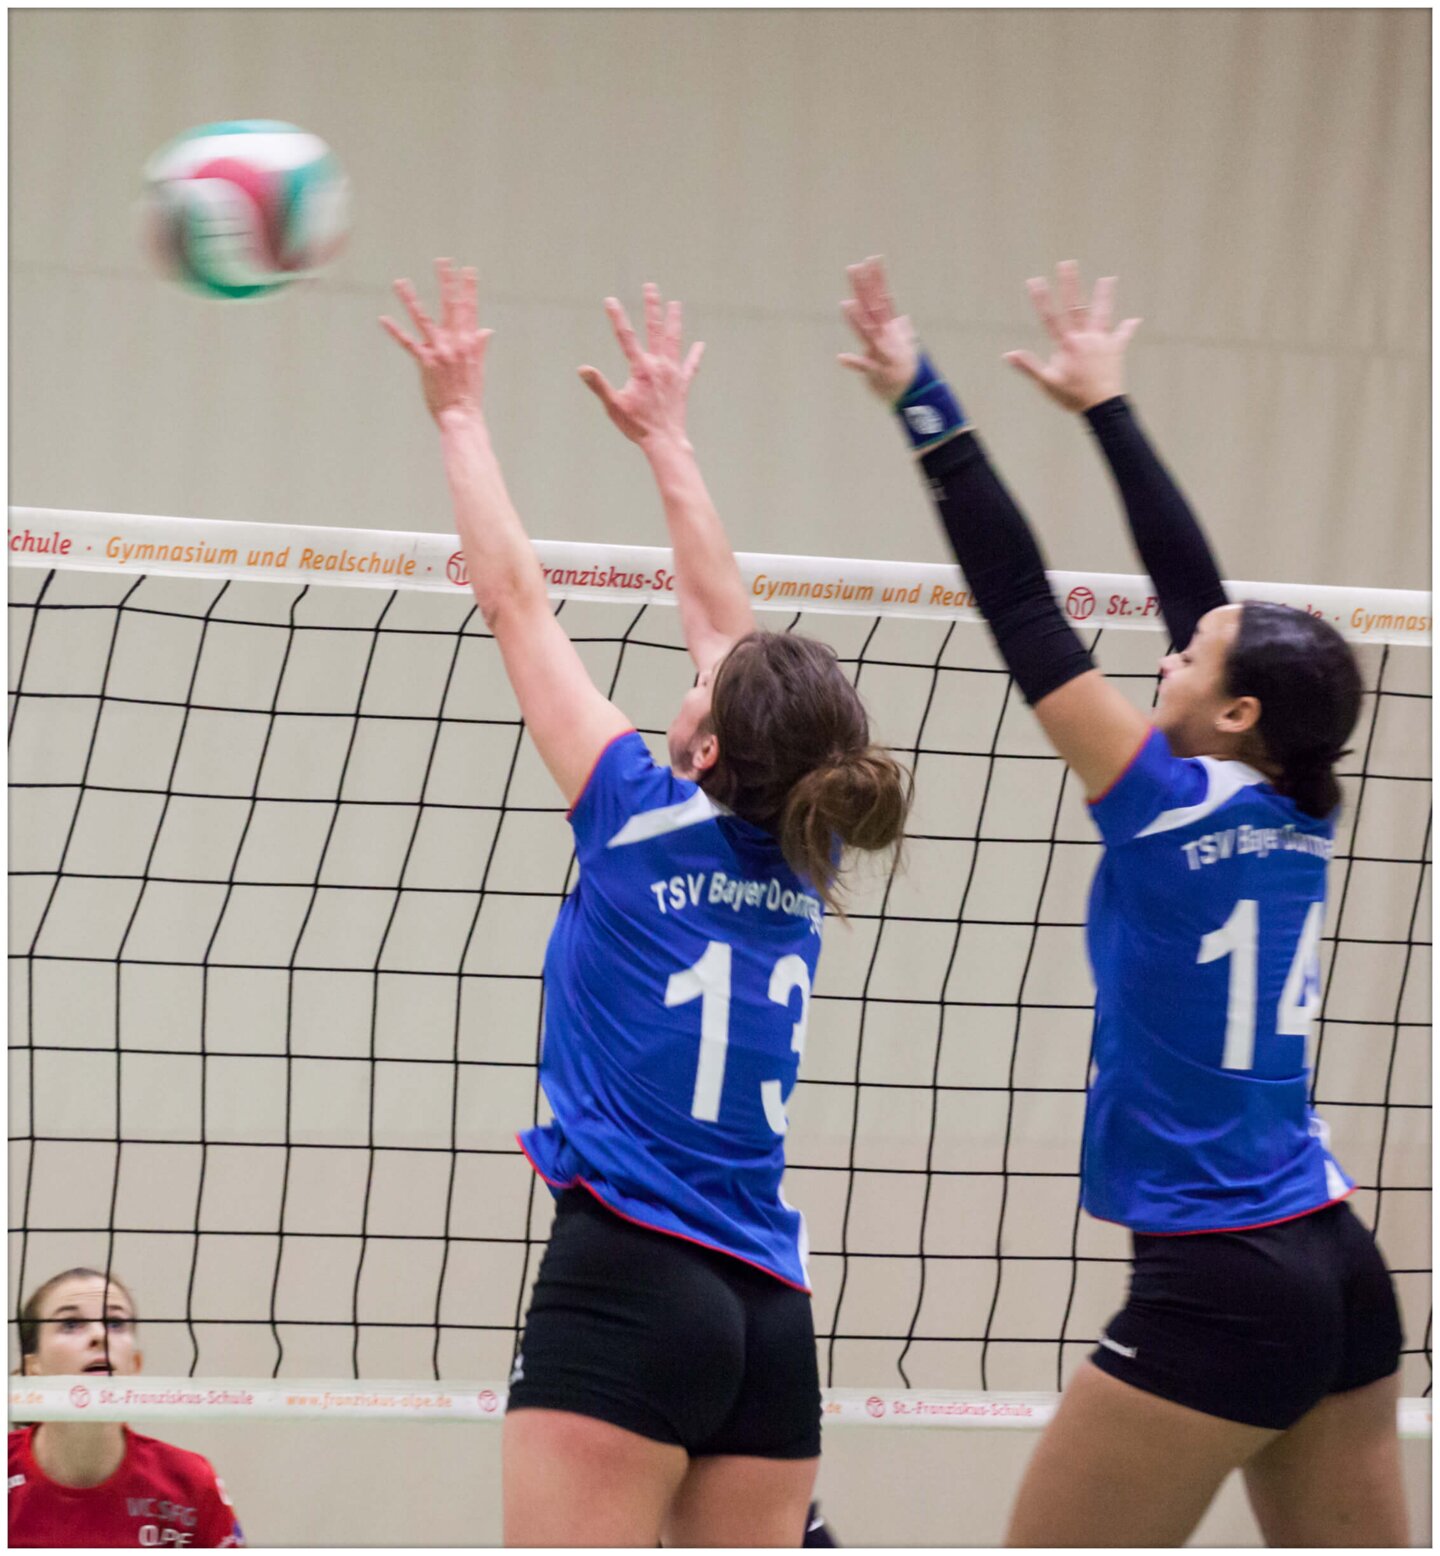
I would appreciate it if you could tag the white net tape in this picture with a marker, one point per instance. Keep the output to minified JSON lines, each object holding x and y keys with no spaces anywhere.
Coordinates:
{"x":386,"y":559}
{"x":293,"y":1399}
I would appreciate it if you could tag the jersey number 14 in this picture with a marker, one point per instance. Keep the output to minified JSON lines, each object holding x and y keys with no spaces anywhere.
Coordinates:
{"x":708,"y":980}
{"x":1238,"y":937}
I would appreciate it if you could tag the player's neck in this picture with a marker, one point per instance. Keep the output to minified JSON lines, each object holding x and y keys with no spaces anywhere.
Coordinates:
{"x":79,"y":1454}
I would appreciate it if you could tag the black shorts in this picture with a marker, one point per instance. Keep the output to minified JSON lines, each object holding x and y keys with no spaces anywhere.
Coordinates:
{"x":1260,"y":1326}
{"x":667,"y":1339}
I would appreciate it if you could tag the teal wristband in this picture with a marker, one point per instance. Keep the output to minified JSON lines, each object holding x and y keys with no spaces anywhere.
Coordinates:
{"x":928,"y":410}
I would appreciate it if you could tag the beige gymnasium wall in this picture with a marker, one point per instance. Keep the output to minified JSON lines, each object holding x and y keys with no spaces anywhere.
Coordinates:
{"x":1259,"y":181}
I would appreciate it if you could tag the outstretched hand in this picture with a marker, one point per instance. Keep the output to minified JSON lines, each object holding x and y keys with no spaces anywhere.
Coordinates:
{"x":451,"y":354}
{"x":891,"y":354}
{"x":1088,"y":364}
{"x":651,"y":405}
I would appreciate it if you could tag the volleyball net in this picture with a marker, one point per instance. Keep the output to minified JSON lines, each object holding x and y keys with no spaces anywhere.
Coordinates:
{"x":283,"y":867}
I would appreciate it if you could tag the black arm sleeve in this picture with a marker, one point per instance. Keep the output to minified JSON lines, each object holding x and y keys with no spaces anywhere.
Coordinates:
{"x":999,"y":557}
{"x":1172,"y":547}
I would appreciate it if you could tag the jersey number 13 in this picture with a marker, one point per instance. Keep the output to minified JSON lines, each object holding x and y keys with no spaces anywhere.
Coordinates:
{"x":708,"y":980}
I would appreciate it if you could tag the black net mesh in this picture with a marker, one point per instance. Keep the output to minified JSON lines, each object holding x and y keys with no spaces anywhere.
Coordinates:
{"x":282,"y":871}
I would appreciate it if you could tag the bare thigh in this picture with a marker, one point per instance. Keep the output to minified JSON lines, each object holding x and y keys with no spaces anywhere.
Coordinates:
{"x":1334,"y":1477}
{"x":1118,"y":1466}
{"x":737,"y":1500}
{"x":570,"y":1480}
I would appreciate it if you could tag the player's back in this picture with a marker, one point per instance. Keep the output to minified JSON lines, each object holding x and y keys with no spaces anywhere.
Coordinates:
{"x":1204,"y":935}
{"x":677,"y":983}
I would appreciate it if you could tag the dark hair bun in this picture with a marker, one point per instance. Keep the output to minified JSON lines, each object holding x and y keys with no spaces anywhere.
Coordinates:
{"x":1304,"y":676}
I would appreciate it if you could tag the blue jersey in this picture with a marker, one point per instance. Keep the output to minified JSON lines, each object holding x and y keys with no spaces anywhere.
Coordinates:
{"x":1204,"y":937}
{"x":677,"y":985}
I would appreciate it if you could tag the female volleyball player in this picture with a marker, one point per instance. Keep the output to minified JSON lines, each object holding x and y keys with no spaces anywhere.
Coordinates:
{"x":98,"y":1483}
{"x":667,"y":1384}
{"x":1261,"y":1328}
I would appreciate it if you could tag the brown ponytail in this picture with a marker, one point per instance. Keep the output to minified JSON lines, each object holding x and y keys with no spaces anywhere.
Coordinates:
{"x":796,"y":757}
{"x":861,"y":800}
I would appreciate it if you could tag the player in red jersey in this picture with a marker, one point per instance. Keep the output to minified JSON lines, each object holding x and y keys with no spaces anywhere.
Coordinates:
{"x":98,"y":1483}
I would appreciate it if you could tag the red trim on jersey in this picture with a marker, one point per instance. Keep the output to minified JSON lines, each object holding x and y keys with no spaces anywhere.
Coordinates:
{"x":554,"y":1183}
{"x":1255,"y":1226}
{"x":1135,"y":757}
{"x":578,"y":1182}
{"x":588,"y":776}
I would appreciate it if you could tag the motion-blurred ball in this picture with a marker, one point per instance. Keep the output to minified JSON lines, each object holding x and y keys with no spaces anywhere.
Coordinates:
{"x":240,"y":209}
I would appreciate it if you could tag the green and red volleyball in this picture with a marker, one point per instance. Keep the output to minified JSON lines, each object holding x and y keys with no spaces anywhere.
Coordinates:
{"x":242,"y":208}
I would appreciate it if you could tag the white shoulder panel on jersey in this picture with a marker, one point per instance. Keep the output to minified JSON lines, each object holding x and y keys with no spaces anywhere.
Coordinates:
{"x":668,"y":818}
{"x":1225,"y":780}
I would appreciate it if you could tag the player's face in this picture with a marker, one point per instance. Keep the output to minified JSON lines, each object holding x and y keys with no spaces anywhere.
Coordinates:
{"x":85,"y":1328}
{"x":1193,"y":698}
{"x":690,"y":752}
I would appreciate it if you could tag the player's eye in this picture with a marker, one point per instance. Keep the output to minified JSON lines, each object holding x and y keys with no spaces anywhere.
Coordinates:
{"x":70,"y":1325}
{"x":118,"y":1325}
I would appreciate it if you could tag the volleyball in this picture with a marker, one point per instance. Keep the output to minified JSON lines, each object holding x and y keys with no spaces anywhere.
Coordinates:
{"x":242,"y":208}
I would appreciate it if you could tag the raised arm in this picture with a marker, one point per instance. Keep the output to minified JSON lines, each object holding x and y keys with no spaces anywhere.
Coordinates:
{"x":570,"y":721}
{"x":1086,"y":374}
{"x":650,"y":411}
{"x":1087,"y":720}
